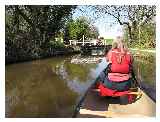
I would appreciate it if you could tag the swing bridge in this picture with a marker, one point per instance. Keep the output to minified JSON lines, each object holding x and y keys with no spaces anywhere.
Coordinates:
{"x":91,"y":47}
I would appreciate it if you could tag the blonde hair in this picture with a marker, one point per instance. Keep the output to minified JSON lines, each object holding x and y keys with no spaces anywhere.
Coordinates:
{"x":119,"y":43}
{"x":114,"y":44}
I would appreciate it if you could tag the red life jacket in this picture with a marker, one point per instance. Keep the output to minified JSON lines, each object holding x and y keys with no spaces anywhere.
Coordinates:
{"x":120,"y":66}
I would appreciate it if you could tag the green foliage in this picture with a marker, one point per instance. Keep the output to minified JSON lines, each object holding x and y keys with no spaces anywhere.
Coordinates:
{"x":109,"y":41}
{"x":133,"y":17}
{"x":30,"y":28}
{"x":146,"y":37}
{"x":75,"y":29}
{"x":56,"y":44}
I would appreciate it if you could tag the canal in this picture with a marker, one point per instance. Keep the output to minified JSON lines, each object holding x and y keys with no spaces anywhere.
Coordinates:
{"x":52,"y":87}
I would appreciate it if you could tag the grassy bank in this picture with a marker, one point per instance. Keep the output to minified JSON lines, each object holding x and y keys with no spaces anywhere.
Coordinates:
{"x":143,"y":50}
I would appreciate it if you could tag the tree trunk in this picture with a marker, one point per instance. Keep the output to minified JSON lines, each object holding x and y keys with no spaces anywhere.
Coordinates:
{"x":130,"y":33}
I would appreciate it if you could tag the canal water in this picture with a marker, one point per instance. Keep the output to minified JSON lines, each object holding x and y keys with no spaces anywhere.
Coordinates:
{"x":146,"y":64}
{"x":52,"y":87}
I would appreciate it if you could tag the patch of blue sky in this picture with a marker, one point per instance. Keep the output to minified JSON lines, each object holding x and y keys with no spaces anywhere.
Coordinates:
{"x":106,"y":24}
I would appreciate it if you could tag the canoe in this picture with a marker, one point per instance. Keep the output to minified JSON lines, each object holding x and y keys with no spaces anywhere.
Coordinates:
{"x":92,"y":105}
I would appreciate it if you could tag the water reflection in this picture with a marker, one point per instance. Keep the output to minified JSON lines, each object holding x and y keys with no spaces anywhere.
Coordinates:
{"x":147,"y":68}
{"x":75,"y":76}
{"x":52,"y":87}
{"x":45,"y":88}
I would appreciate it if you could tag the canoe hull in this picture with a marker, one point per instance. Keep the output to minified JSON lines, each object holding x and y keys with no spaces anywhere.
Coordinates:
{"x":96,"y":106}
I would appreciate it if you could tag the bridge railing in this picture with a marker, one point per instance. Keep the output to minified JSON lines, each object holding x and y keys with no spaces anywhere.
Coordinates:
{"x":83,"y":42}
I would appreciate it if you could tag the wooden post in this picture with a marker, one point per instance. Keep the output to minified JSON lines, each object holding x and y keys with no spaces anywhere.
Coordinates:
{"x":75,"y":42}
{"x":83,"y":40}
{"x":70,"y":42}
{"x":139,"y":35}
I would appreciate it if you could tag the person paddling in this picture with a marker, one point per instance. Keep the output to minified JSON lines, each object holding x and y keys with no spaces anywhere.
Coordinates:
{"x":117,"y":75}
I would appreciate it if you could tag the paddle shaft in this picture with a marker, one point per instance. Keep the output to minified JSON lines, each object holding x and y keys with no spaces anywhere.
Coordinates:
{"x":82,"y":99}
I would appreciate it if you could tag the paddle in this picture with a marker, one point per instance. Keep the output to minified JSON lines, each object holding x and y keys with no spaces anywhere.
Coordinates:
{"x":77,"y":108}
{"x":100,"y":67}
{"x":133,"y":72}
{"x":134,"y":77}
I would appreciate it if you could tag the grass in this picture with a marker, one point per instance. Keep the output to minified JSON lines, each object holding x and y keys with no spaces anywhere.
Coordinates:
{"x":153,"y":50}
{"x":109,"y":41}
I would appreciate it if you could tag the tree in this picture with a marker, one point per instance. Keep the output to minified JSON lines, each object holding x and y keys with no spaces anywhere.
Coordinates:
{"x":131,"y":16}
{"x":29,"y":28}
{"x":75,"y":29}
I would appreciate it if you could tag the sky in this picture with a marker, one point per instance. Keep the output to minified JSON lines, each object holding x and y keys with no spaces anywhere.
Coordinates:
{"x":104,"y":24}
